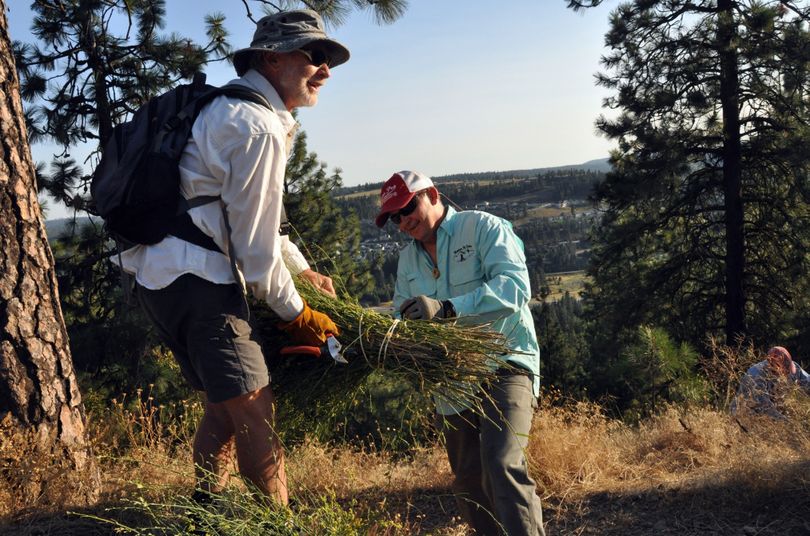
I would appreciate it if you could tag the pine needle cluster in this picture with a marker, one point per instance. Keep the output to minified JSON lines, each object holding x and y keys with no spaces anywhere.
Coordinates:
{"x":440,"y":358}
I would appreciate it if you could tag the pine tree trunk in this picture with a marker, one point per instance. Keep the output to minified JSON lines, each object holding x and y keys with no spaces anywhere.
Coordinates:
{"x":38,"y":390}
{"x":732,"y":173}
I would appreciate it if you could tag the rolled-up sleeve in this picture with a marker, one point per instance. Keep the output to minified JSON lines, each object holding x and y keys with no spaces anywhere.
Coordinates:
{"x":293,"y":258}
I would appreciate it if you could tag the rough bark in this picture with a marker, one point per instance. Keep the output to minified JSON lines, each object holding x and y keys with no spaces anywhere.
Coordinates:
{"x":38,"y":389}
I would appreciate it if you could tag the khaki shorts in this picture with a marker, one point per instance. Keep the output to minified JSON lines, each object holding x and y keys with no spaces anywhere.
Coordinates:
{"x":206,"y":327}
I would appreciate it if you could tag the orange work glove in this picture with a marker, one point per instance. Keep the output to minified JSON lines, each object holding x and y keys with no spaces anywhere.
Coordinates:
{"x":310,"y":327}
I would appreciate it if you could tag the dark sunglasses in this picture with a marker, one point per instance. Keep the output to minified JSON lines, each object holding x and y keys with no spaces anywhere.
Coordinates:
{"x":316,"y":56}
{"x":397,"y":216}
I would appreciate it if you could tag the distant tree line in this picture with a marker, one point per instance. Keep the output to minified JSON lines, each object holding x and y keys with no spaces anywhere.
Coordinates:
{"x":550,"y":187}
{"x":487,"y":176}
{"x":560,"y":244}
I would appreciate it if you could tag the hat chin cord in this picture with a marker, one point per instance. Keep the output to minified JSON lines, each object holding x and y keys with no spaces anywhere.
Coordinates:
{"x":450,"y":202}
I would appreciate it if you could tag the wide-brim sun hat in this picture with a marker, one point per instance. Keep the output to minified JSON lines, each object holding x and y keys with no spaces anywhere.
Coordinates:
{"x":287,"y":31}
{"x":398,"y":191}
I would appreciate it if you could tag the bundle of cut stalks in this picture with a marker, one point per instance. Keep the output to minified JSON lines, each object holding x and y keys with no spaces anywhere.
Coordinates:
{"x":434,"y":357}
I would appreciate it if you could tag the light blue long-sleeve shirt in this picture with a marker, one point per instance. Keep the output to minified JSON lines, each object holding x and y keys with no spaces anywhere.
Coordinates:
{"x":759,"y":386}
{"x":482,"y":271}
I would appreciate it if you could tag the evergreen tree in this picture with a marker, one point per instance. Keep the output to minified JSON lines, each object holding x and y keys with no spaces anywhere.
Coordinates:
{"x":563,"y":347}
{"x":328,"y":237}
{"x":654,"y":371}
{"x":94,"y":63}
{"x":705,"y":226}
{"x":337,"y":11}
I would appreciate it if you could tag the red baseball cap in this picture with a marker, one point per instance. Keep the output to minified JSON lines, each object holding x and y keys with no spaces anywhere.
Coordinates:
{"x":398,"y":192}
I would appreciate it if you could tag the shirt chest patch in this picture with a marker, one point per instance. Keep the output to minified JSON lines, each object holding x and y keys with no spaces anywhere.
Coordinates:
{"x":463,"y":253}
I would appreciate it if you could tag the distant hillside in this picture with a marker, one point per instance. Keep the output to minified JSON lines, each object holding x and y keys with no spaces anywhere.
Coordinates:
{"x":518,"y":196}
{"x":58,"y":227}
{"x":600,"y":165}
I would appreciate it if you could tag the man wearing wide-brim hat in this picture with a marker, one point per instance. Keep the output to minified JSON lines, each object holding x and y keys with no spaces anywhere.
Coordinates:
{"x":238,"y":152}
{"x":288,"y":32}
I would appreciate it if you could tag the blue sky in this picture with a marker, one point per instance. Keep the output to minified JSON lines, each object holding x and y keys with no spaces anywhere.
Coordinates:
{"x":453,"y":86}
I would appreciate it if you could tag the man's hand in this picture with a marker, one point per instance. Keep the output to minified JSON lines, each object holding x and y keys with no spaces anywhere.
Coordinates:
{"x":310,"y":327}
{"x":424,"y":308}
{"x":319,"y":281}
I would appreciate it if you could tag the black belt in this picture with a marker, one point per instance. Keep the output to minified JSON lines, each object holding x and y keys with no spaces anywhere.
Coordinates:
{"x":514,"y":370}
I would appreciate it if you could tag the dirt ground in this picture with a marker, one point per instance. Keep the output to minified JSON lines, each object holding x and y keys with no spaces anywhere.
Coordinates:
{"x":722,"y":508}
{"x":719,"y":508}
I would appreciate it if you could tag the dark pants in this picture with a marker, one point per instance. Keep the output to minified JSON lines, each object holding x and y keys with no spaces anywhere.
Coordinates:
{"x":494,"y":491}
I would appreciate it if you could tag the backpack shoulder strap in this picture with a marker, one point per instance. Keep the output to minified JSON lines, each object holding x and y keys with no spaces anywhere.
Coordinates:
{"x":239,"y":91}
{"x":184,"y":205}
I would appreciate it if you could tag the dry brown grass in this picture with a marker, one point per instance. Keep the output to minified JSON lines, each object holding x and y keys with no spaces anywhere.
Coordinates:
{"x":687,"y":471}
{"x":602,"y":476}
{"x":414,"y":491}
{"x":32,"y":475}
{"x":145,"y":451}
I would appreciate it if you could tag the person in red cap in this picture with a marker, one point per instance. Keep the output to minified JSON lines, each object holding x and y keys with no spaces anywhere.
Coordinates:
{"x":470,"y":266}
{"x":763,"y":386}
{"x":238,"y":152}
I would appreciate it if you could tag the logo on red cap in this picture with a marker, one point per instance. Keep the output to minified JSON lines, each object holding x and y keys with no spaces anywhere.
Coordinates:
{"x":388,"y":192}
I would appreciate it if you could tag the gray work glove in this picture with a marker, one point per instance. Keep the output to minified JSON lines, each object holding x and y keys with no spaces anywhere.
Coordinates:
{"x":424,"y":308}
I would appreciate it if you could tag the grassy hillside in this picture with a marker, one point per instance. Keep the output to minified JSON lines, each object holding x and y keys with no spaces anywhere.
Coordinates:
{"x":688,"y":471}
{"x":571,"y":282}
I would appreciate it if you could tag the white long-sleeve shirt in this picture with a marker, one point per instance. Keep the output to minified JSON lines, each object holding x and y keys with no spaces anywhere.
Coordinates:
{"x":238,"y":151}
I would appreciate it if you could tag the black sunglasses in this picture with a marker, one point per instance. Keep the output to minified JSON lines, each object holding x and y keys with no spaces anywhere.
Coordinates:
{"x":397,"y":216}
{"x":316,"y":56}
